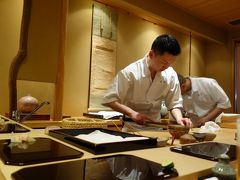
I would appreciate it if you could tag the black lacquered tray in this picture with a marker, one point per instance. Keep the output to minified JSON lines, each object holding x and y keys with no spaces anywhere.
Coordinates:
{"x":68,"y":135}
{"x":207,"y":150}
{"x":13,"y":127}
{"x":42,"y":150}
{"x":111,"y":167}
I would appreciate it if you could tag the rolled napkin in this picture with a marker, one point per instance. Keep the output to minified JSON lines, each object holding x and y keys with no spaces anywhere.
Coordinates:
{"x":210,"y":126}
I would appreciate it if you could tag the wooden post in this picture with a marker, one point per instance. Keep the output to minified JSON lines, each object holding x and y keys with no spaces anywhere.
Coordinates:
{"x":59,"y":85}
{"x":18,"y":59}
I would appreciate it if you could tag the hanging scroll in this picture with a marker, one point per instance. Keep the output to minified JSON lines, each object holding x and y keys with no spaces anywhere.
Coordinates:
{"x":103,"y":56}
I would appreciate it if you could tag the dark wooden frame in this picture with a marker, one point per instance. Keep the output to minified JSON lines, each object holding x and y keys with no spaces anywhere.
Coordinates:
{"x":18,"y":59}
{"x":236,"y":107}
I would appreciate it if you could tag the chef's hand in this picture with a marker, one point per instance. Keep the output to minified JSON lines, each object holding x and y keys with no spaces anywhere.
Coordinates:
{"x":177,"y":115}
{"x":201,"y":122}
{"x":185,"y":122}
{"x":140,"y":118}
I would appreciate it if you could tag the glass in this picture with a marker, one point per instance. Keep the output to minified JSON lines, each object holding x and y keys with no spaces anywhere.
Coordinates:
{"x":223,"y":170}
{"x":163,"y":110}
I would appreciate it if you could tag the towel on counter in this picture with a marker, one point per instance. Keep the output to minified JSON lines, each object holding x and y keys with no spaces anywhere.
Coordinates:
{"x":210,"y":127}
{"x":99,"y":137}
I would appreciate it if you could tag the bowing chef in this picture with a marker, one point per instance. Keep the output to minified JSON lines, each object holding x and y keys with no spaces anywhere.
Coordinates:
{"x":203,"y":99}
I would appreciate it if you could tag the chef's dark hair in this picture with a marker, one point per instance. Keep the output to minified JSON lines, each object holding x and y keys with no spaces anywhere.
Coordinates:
{"x":166,"y":43}
{"x":181,"y":79}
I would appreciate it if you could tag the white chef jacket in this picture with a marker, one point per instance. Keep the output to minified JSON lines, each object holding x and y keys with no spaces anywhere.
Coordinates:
{"x":134,"y":87}
{"x":206,"y":94}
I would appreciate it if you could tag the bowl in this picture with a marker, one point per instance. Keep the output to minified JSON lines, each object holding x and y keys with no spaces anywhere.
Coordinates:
{"x":199,"y":136}
{"x":162,"y":141}
{"x":209,"y":136}
{"x":177,"y":130}
{"x":187,"y":139}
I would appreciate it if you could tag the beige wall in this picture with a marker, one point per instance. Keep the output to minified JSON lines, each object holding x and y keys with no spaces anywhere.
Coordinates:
{"x":43,"y":42}
{"x":134,"y":39}
{"x":182,"y":65}
{"x":198,"y":57}
{"x":10,"y":19}
{"x":134,"y":43}
{"x":220,"y":66}
{"x":77,"y":62}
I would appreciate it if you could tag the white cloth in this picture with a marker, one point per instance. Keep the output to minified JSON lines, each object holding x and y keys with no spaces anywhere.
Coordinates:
{"x":134,"y":88}
{"x":98,"y":137}
{"x":210,"y":127}
{"x":107,"y":114}
{"x":206,"y":94}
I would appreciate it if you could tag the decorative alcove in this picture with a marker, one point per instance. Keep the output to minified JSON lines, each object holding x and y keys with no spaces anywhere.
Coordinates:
{"x":40,"y":57}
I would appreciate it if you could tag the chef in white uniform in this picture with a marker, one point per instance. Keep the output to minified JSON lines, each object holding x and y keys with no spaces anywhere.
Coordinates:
{"x":138,"y":89}
{"x":203,"y":99}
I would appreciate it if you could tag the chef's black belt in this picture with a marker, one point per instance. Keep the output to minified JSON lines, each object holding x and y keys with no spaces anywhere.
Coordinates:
{"x":125,"y":118}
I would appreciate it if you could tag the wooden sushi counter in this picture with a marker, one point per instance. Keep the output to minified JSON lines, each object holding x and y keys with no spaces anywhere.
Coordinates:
{"x":188,"y":167}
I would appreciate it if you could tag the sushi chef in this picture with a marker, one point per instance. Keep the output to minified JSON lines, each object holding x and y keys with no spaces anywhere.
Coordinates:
{"x":203,"y":99}
{"x":139,"y":88}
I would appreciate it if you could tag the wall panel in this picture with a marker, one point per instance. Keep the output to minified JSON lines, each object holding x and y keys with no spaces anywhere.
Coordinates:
{"x":198,"y":57}
{"x":10,"y":21}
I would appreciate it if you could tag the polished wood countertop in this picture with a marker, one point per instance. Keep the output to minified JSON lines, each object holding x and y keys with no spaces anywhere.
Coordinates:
{"x":188,"y":167}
